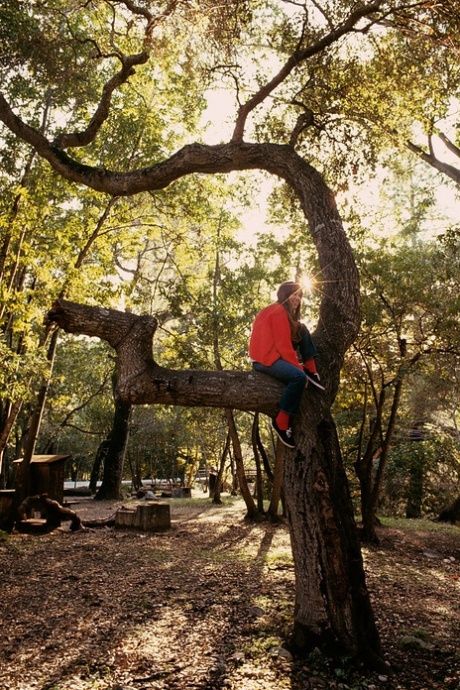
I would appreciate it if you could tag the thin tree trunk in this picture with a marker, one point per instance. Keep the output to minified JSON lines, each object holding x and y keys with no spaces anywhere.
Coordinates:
{"x":97,"y":465}
{"x":234,"y":489}
{"x":237,"y":453}
{"x":370,"y":498}
{"x":239,"y":467}
{"x":136,"y":479}
{"x":24,"y":485}
{"x":11,"y":414}
{"x":263,"y":455}
{"x":364,"y":465}
{"x":216,"y":497}
{"x":117,"y":443}
{"x":259,"y":477}
{"x":277,"y":485}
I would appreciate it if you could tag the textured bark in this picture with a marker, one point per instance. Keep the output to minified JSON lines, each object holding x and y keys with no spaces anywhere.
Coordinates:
{"x":331,"y":595}
{"x":141,"y":380}
{"x":259,"y":477}
{"x":97,"y":465}
{"x":218,"y":488}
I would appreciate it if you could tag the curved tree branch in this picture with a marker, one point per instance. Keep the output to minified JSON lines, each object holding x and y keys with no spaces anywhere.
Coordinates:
{"x":445,"y":168}
{"x":299,"y":56}
{"x":339,"y":311}
{"x":86,"y":136}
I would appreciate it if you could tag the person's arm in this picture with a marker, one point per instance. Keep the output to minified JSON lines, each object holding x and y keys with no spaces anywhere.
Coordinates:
{"x":281,"y":333}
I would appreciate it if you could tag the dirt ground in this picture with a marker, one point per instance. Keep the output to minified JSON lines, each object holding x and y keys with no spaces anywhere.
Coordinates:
{"x":209,"y":604}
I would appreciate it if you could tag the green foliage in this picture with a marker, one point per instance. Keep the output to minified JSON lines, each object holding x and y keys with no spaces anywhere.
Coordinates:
{"x":435,"y":465}
{"x":410,"y":332}
{"x":174,"y":442}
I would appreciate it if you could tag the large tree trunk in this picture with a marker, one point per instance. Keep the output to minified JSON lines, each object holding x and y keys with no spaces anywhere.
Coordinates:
{"x":328,"y":565}
{"x":331,"y":594}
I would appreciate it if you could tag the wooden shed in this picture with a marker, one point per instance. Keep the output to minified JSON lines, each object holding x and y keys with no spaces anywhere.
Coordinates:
{"x":48,"y":474}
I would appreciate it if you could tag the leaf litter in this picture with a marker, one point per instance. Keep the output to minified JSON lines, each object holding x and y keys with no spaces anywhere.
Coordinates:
{"x":209,"y":605}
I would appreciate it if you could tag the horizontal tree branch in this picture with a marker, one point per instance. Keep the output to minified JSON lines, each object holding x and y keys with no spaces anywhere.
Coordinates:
{"x":141,"y":380}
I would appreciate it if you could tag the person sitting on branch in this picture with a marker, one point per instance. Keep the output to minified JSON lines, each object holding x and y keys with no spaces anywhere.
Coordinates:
{"x":281,"y":346}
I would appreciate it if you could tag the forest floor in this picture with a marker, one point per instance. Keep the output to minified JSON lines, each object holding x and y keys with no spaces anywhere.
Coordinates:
{"x":209,"y":604}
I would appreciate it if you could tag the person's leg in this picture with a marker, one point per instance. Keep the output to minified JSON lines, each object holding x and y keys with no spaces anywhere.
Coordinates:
{"x":307,"y":351}
{"x":295,"y":380}
{"x":293,"y":377}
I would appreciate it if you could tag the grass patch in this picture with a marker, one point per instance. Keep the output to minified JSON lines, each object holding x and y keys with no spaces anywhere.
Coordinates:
{"x":419,"y":525}
{"x":202,"y":502}
{"x":279,"y":557}
{"x":226,"y":555}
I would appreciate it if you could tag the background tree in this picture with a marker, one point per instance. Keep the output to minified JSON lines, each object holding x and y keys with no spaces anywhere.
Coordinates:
{"x":405,"y":334}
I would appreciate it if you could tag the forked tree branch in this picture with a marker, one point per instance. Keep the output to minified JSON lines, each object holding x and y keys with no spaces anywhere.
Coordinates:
{"x":86,"y":136}
{"x":299,"y":56}
{"x":129,"y":62}
{"x":430,"y":158}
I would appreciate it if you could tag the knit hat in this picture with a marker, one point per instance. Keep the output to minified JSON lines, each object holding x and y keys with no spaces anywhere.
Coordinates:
{"x":287,"y":289}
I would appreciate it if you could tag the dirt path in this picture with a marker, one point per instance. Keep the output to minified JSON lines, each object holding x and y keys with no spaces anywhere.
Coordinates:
{"x":208,"y":605}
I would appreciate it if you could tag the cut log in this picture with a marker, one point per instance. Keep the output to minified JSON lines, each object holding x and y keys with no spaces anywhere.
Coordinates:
{"x":148,"y":518}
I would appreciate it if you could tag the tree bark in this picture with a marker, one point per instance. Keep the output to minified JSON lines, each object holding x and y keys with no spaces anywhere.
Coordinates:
{"x":239,"y":465}
{"x":97,"y":465}
{"x":259,"y":476}
{"x":24,"y":481}
{"x":331,"y":594}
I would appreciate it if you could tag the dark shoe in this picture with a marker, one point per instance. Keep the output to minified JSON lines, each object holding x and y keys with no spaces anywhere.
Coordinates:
{"x":285,"y":435}
{"x":314,"y":379}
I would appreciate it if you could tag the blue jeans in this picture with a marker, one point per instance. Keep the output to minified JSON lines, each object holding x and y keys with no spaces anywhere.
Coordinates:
{"x":292,"y":376}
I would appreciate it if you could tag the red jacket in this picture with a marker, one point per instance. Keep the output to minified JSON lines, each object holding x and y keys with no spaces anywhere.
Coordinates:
{"x":271,"y":337}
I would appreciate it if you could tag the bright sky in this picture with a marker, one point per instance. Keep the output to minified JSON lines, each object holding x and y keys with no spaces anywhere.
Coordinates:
{"x":219,"y":121}
{"x":219,"y":118}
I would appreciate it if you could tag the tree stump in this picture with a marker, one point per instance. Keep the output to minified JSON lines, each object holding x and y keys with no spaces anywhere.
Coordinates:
{"x":148,"y":518}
